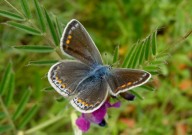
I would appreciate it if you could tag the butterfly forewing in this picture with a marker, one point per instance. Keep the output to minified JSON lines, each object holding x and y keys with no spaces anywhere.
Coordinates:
{"x":65,"y":76}
{"x":121,"y":80}
{"x":77,"y":43}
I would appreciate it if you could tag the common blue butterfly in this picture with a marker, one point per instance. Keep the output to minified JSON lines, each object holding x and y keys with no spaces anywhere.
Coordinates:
{"x":86,"y":81}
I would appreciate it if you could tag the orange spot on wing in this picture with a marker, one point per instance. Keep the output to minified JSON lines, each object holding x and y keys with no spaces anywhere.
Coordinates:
{"x":129,"y":83}
{"x":69,"y":37}
{"x":67,"y":42}
{"x":123,"y":86}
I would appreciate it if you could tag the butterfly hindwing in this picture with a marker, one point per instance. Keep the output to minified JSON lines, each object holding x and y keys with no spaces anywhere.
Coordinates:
{"x":77,"y":43}
{"x":121,"y":80}
{"x":65,"y":76}
{"x":92,"y":93}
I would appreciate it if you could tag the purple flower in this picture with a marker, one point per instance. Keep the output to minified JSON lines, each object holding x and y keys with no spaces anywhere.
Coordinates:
{"x":96,"y":117}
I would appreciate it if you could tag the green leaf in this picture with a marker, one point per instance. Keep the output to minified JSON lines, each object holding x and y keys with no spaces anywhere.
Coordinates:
{"x":142,"y":53}
{"x":128,"y":57}
{"x":22,"y":104}
{"x":154,"y":43}
{"x":11,"y":15}
{"x":59,"y":28}
{"x":136,"y":94}
{"x":151,"y":68}
{"x":116,"y":54}
{"x":52,"y":29}
{"x":10,"y":90}
{"x":24,"y":28}
{"x":40,"y":15}
{"x":43,"y":63}
{"x":5,"y":128}
{"x":28,"y":116}
{"x":35,"y":48}
{"x":136,"y":56}
{"x":147,"y":48}
{"x":47,"y":89}
{"x":5,"y":79}
{"x":60,"y":99}
{"x":25,"y":8}
{"x":147,"y":88}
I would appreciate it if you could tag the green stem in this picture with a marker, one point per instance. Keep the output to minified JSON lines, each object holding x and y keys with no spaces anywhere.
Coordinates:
{"x":8,"y":115}
{"x":43,"y":125}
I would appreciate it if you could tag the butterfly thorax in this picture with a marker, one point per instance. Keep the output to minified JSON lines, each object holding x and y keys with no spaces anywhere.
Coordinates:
{"x":100,"y":71}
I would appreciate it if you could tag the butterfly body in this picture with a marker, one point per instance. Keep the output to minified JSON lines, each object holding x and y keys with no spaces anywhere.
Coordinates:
{"x":86,"y":80}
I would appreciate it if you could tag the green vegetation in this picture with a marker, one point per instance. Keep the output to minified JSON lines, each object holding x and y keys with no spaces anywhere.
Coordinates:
{"x":151,"y":35}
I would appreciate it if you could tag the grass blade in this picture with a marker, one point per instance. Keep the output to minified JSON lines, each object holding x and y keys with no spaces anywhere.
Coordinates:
{"x":40,"y":15}
{"x":154,"y":43}
{"x":35,"y":48}
{"x":24,"y":28}
{"x":5,"y":79}
{"x":25,"y":8}
{"x":42,"y":63}
{"x":52,"y":29}
{"x":11,"y":15}
{"x":116,"y":54}
{"x":10,"y":92}
{"x":27,"y":117}
{"x":22,"y":104}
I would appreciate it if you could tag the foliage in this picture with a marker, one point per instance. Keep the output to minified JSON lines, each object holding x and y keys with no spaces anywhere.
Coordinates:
{"x":27,"y":102}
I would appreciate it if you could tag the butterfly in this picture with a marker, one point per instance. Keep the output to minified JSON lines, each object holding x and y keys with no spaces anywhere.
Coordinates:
{"x":86,"y":81}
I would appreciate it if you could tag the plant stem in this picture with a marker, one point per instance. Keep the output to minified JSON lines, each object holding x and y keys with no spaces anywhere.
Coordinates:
{"x":8,"y":115}
{"x":43,"y":125}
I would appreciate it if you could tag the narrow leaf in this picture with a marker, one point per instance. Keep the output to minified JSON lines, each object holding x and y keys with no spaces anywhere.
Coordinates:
{"x":5,"y":79}
{"x":40,"y":15}
{"x":59,"y":28}
{"x":147,"y":88}
{"x":47,"y":89}
{"x":52,"y":29}
{"x":60,"y":99}
{"x":147,"y":48}
{"x":24,"y":28}
{"x":142,"y":53}
{"x":42,"y":63}
{"x":10,"y":90}
{"x":28,"y":116}
{"x":11,"y":15}
{"x":154,"y":43}
{"x":35,"y":48}
{"x":25,"y":8}
{"x":128,"y":57}
{"x":22,"y":104}
{"x":5,"y":128}
{"x":135,"y":59}
{"x":116,"y":54}
{"x":136,"y":94}
{"x":151,"y":68}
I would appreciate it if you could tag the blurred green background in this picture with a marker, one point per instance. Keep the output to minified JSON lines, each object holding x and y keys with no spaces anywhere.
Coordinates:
{"x":167,"y":110}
